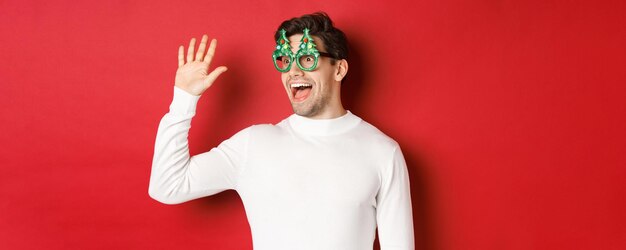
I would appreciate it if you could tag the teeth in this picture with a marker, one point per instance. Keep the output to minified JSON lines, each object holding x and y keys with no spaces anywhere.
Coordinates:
{"x":298,"y":85}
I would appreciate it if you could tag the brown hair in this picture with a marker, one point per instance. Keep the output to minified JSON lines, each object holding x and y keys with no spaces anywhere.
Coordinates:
{"x":320,"y":25}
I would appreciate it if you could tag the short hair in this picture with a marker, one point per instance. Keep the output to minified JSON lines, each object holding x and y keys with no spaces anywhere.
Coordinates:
{"x":320,"y":25}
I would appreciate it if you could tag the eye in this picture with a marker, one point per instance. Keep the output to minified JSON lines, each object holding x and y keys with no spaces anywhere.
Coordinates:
{"x":286,"y":60}
{"x":309,"y":59}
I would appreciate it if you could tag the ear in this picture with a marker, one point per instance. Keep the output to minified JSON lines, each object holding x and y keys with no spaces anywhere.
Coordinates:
{"x":341,"y":69}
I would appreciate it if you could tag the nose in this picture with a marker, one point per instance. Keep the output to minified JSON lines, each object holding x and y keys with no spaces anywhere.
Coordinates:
{"x":295,"y":70}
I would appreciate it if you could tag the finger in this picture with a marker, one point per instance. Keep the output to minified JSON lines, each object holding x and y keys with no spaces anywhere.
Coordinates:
{"x":214,"y":74}
{"x":181,"y":56}
{"x":211,"y":52}
{"x":192,"y":45}
{"x":200,"y":53}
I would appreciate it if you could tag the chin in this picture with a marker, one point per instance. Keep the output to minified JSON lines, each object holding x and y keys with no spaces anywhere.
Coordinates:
{"x":302,"y":112}
{"x":305,"y":110}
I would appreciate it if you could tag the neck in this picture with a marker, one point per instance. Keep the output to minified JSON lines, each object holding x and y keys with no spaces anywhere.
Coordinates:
{"x":333,"y":110}
{"x":330,"y":113}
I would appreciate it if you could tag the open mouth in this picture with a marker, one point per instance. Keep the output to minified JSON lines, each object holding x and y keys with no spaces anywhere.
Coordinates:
{"x":300,"y":91}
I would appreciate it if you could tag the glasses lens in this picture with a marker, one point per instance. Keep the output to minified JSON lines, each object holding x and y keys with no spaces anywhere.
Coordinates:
{"x":282,"y":62}
{"x":307,"y":61}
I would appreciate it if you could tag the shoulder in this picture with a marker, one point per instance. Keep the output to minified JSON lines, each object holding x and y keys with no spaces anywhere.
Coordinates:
{"x":372,"y":135}
{"x":265,"y":129}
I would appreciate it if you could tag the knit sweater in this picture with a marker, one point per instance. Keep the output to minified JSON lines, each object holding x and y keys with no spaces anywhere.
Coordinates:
{"x":304,"y":183}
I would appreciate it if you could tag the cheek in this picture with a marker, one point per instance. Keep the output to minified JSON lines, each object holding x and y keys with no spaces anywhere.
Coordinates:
{"x":323,"y":80}
{"x":313,"y":78}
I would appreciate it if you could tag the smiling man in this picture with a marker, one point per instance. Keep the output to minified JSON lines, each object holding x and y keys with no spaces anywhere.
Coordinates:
{"x":316,"y":93}
{"x":320,"y":179}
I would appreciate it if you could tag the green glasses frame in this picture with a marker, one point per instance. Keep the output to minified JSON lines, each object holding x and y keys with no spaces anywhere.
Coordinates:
{"x":307,"y":48}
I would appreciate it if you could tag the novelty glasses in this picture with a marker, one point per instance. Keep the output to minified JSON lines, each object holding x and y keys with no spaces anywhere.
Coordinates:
{"x":306,"y":57}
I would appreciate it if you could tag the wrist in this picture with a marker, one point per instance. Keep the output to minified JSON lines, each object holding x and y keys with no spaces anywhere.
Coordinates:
{"x":183,"y":102}
{"x":189,"y":90}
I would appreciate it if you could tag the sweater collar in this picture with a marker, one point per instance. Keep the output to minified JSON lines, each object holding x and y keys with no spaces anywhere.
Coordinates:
{"x":323,"y":127}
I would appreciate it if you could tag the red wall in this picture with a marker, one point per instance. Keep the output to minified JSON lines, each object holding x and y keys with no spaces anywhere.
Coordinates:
{"x":510,"y":115}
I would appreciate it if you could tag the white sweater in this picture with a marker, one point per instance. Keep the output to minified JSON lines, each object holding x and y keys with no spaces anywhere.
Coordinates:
{"x":305,"y":184}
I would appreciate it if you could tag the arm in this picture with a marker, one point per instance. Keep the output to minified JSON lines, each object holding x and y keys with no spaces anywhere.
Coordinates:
{"x":176,"y":177}
{"x":393,"y":206}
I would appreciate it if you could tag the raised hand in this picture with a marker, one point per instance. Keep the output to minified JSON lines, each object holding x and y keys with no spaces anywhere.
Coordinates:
{"x":193,"y":75}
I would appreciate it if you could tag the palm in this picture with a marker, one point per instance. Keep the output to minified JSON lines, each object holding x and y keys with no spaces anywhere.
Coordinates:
{"x":193,"y":75}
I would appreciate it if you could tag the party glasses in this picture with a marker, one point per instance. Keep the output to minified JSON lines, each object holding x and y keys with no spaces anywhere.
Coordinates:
{"x":306,"y":57}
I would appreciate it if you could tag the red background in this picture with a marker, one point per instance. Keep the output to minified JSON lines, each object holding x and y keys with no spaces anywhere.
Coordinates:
{"x":510,"y":115}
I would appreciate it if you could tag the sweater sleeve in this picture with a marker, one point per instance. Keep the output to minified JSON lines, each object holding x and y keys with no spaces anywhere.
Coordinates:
{"x":176,"y":177}
{"x":393,"y":206}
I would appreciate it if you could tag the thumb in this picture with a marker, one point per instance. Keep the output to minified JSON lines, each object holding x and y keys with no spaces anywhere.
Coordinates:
{"x":213,"y":75}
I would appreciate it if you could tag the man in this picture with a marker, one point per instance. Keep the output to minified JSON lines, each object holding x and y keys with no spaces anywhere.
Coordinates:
{"x":320,"y":179}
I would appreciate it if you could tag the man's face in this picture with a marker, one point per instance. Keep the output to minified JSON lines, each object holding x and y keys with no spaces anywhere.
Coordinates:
{"x":311,"y":92}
